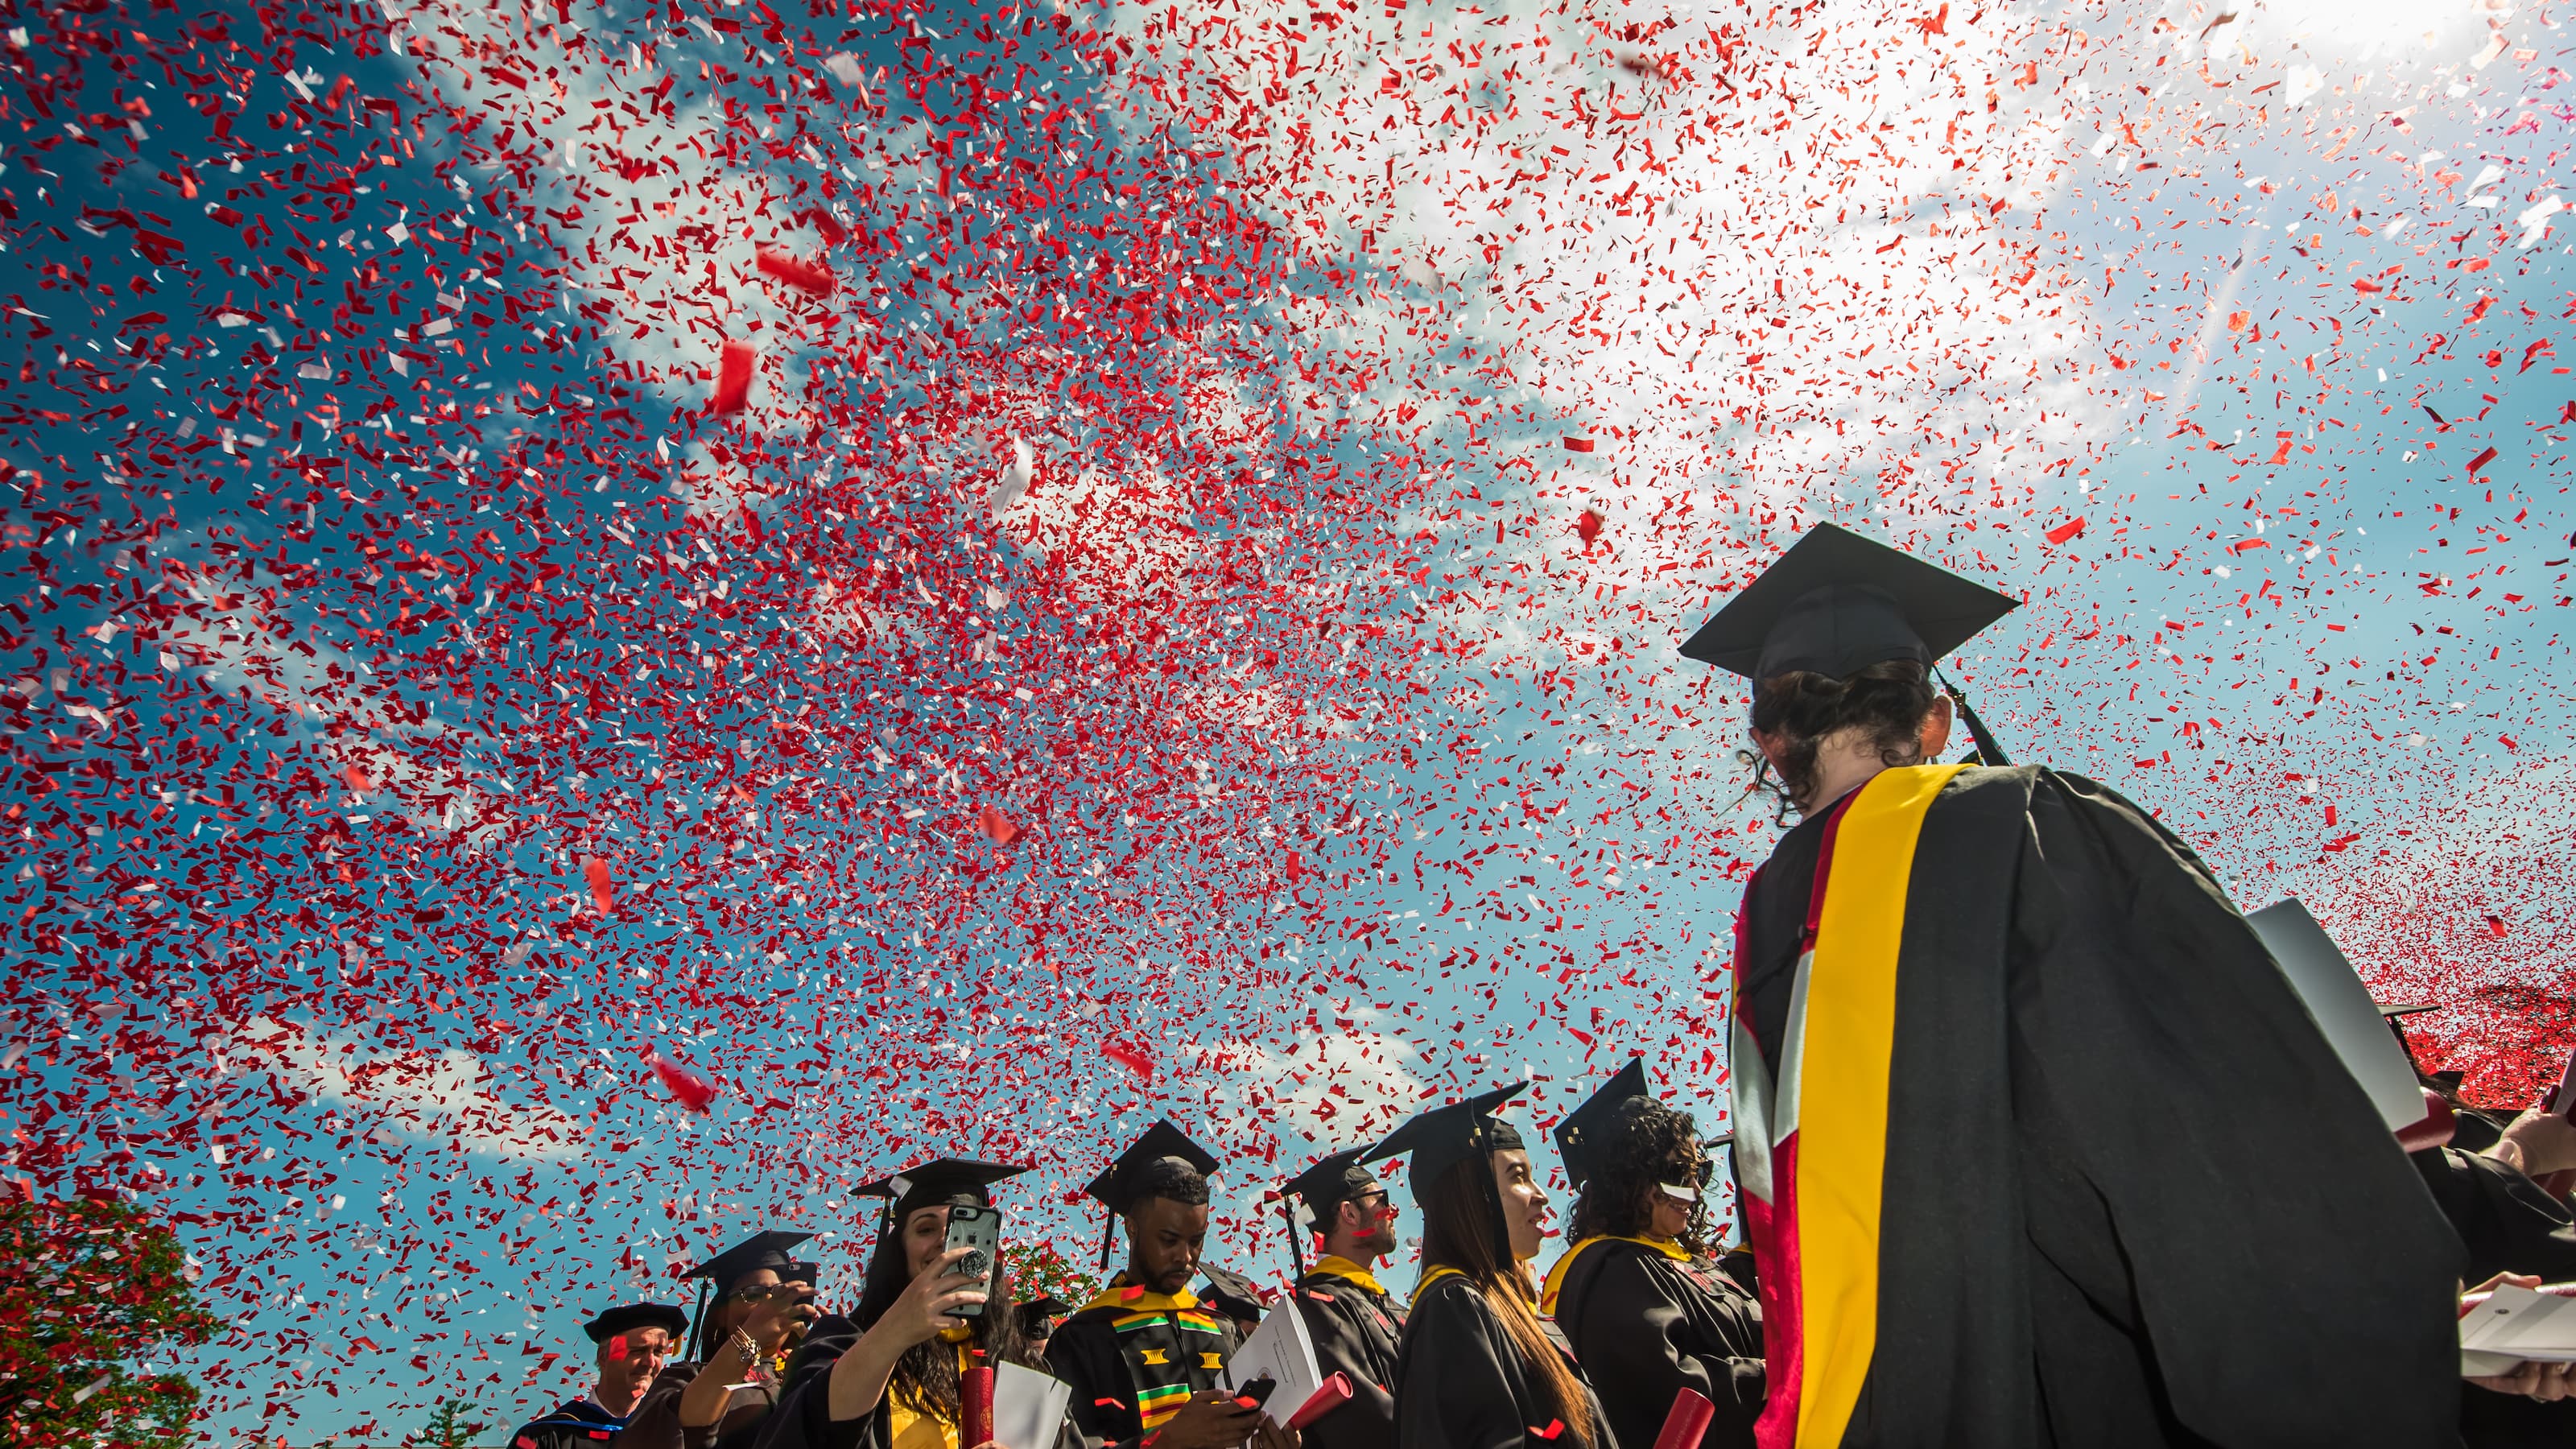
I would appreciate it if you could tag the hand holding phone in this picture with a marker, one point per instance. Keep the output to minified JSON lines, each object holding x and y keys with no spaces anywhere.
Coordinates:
{"x":977,"y":1232}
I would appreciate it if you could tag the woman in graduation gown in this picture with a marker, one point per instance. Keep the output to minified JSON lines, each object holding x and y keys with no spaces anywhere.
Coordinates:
{"x":887,"y":1377}
{"x":2037,"y":1144}
{"x":1647,"y":1312}
{"x":1477,"y":1367}
{"x":763,"y":1305}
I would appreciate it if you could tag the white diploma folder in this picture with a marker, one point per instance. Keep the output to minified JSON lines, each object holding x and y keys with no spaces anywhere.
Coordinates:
{"x":1028,"y":1407}
{"x":2335,"y":996}
{"x":1278,"y":1349}
{"x":2516,"y":1325}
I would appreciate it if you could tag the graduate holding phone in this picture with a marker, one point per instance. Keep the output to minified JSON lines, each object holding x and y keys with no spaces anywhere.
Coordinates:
{"x":889,"y":1376}
{"x":1145,"y":1357}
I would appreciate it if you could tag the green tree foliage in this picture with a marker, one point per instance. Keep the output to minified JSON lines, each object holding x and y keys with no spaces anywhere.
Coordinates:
{"x":1038,"y":1269}
{"x":88,"y":1289}
{"x":447,"y":1428}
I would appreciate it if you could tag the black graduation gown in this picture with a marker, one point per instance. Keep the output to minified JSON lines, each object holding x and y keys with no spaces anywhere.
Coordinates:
{"x":1119,"y":1352}
{"x":2510,"y":1225}
{"x":1356,"y":1332}
{"x":655,"y":1424}
{"x":1460,"y":1382}
{"x":2131,"y":1196}
{"x":576,"y":1424}
{"x":1646,"y":1326}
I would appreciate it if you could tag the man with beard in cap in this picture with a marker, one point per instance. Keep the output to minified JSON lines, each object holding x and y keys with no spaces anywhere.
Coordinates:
{"x":1145,"y":1357}
{"x":1354,"y":1321}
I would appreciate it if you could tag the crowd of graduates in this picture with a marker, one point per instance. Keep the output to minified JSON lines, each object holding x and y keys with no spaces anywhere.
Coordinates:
{"x":2034,"y":1143}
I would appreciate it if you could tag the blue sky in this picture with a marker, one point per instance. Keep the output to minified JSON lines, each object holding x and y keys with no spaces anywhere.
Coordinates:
{"x":1506,"y":802}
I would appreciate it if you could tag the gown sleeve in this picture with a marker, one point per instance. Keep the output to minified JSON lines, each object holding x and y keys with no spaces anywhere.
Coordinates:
{"x":803,"y":1418}
{"x":2165,"y":1077}
{"x":1102,"y":1406}
{"x":2509,"y":1223}
{"x":1342,"y":1346}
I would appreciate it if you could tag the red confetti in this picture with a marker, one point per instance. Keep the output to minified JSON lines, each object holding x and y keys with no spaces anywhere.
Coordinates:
{"x":997,"y":826}
{"x":733,"y":378}
{"x":595,"y":870}
{"x":811,"y":278}
{"x":1588,"y":524}
{"x":2495,"y":927}
{"x":1132,"y":1058}
{"x":2064,"y":531}
{"x":688,"y":1088}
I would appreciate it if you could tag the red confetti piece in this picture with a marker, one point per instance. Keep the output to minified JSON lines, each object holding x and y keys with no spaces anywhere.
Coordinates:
{"x":688,"y":1088}
{"x":2064,"y":531}
{"x":1588,"y":524}
{"x":1132,"y":1058}
{"x":1578,"y":445}
{"x":595,"y":870}
{"x":2495,"y":927}
{"x":733,"y":378}
{"x":1557,"y":1426}
{"x":997,"y":826}
{"x":811,"y":278}
{"x":2480,"y":461}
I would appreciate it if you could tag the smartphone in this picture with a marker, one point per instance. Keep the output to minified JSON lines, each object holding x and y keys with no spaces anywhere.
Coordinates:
{"x":979,"y":1231}
{"x":1256,"y":1393}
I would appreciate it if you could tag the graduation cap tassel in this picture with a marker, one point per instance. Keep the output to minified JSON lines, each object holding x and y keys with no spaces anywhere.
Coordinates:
{"x":1987,"y":753}
{"x":698,"y":1322}
{"x":1108,"y":1234}
{"x":1296,"y":1250}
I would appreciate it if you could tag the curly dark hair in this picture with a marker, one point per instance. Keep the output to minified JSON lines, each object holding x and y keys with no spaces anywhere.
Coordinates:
{"x":1646,"y":1144}
{"x":1170,"y":1178}
{"x":1888,"y":701}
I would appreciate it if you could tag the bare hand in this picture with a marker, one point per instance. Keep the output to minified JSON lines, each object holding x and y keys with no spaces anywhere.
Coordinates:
{"x":928,"y":1308}
{"x":1210,"y":1420}
{"x":2538,"y":1143}
{"x":2547,"y":1382}
{"x":784,"y":1315}
{"x":1271,"y":1435}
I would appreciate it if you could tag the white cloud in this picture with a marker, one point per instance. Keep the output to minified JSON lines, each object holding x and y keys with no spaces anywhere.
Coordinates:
{"x":445,"y":1097}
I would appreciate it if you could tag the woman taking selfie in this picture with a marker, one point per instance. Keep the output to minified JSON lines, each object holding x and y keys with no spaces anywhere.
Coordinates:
{"x":1636,"y":1295}
{"x":764,"y":1303}
{"x":888,"y":1376}
{"x":1477,"y":1367}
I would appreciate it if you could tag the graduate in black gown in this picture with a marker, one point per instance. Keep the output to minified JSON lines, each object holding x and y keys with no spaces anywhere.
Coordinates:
{"x":2036,"y":1143}
{"x":1648,"y":1313}
{"x":1145,"y":1356}
{"x":1478,"y":1368}
{"x":1353,"y":1320}
{"x":1237,"y":1298}
{"x":1037,"y":1318}
{"x":634,"y":1342}
{"x":718,"y":1397}
{"x":886,"y":1377}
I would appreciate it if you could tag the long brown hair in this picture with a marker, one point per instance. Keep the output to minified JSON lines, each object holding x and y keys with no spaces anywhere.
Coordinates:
{"x":1461,"y":1218}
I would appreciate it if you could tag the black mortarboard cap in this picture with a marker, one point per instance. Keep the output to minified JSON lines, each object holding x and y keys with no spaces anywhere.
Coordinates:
{"x":1332,"y":1181}
{"x":667,"y":1316}
{"x":950,"y":1180}
{"x":1115,"y":1187}
{"x":1589,"y":1123}
{"x":1443,"y":1137}
{"x":1233,"y":1295}
{"x":1033,"y":1315}
{"x":760,"y":1250}
{"x":1837,"y":603}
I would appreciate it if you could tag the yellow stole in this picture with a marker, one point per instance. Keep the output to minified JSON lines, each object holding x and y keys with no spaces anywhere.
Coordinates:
{"x":1848,"y":1044}
{"x":1556,"y":1275}
{"x":1335,"y":1266}
{"x":922,"y":1428}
